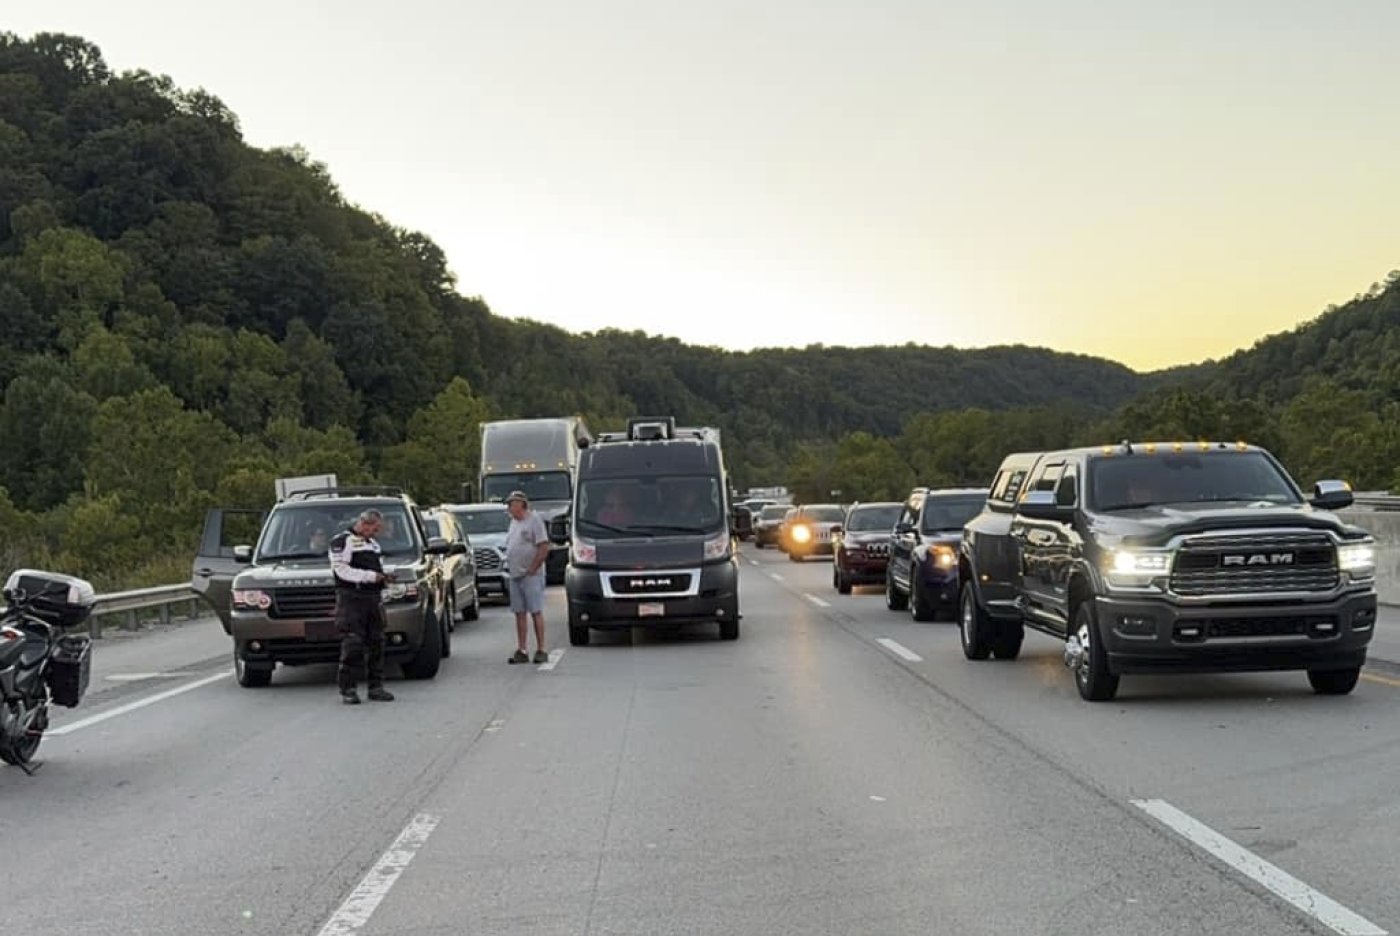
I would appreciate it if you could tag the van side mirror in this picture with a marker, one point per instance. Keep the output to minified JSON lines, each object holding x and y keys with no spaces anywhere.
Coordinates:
{"x":243,"y":554}
{"x":1332,"y":495}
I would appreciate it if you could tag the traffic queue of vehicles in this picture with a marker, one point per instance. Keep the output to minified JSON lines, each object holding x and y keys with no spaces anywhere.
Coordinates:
{"x":1140,"y":558}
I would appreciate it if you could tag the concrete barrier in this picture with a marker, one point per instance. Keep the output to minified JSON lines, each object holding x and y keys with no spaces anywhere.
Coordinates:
{"x":1384,"y":525}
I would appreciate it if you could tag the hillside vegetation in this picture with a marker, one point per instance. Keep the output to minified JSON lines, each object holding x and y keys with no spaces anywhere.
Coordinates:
{"x":184,"y":317}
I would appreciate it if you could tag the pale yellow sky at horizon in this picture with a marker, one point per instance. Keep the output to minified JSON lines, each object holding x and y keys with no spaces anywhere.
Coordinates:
{"x":1154,"y":186}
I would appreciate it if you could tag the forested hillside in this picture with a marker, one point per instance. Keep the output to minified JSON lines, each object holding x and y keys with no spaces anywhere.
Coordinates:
{"x":184,"y":317}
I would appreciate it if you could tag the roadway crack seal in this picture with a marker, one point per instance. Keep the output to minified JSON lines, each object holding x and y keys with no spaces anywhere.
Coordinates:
{"x":1124,"y":809}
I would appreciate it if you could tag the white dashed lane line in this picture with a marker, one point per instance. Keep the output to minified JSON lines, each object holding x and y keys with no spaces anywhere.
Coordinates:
{"x":1316,"y":905}
{"x":554,"y":657}
{"x":355,"y":913}
{"x":899,"y":650}
{"x":820,"y":603}
{"x":133,"y":706}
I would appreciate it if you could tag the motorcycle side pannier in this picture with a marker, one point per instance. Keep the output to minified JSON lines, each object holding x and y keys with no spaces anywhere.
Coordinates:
{"x":70,"y":668}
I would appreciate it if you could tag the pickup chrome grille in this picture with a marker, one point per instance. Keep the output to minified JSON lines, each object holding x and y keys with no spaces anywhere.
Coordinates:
{"x":303,"y":603}
{"x":1294,"y":562}
{"x":487,"y":559}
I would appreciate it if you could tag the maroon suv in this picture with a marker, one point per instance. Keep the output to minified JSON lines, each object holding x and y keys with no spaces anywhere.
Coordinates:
{"x":864,"y":548}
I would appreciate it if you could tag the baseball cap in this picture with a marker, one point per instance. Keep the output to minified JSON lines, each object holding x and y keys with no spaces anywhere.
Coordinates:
{"x":518,"y":496}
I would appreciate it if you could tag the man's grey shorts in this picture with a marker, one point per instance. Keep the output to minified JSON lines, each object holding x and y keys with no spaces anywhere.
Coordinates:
{"x":527,"y":594}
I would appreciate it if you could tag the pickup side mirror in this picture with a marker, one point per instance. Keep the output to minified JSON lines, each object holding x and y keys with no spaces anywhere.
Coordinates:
{"x":243,"y":554}
{"x":837,"y":530}
{"x":1041,"y":505}
{"x":1332,"y":495}
{"x":437,"y":546}
{"x":903,"y":529}
{"x":458,"y":549}
{"x":742,"y":521}
{"x":560,"y":529}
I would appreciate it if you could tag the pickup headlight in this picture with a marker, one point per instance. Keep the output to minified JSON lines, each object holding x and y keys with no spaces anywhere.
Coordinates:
{"x":717,"y":548}
{"x":1133,"y":569}
{"x":1358,"y":559}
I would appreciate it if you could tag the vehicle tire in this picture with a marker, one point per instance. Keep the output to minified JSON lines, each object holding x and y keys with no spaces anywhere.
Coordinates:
{"x":895,"y":600}
{"x":579,"y":635}
{"x":251,"y":677}
{"x":447,"y":625}
{"x":794,"y":557}
{"x":974,"y":625}
{"x":729,"y":629}
{"x":20,"y":752}
{"x":919,"y":606}
{"x":426,"y":662}
{"x":1007,"y":643}
{"x":1334,"y":682}
{"x":842,"y":582}
{"x":1091,"y":677}
{"x":472,"y":612}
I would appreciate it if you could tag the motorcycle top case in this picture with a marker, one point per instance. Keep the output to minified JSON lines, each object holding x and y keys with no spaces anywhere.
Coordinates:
{"x":60,"y":600}
{"x":70,"y":668}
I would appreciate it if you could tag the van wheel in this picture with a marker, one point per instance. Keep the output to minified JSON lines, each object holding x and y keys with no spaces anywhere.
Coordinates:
{"x":251,"y":677}
{"x":1091,"y":675}
{"x":729,"y":629}
{"x":579,"y":634}
{"x":1334,"y":682}
{"x":426,"y":662}
{"x":974,"y":625}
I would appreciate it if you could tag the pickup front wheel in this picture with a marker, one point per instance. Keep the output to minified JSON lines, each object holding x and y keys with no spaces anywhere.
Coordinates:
{"x":1085,"y":653}
{"x":1334,"y":682}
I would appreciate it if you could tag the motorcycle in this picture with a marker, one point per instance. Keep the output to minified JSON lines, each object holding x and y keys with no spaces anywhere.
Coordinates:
{"x":40,"y":662}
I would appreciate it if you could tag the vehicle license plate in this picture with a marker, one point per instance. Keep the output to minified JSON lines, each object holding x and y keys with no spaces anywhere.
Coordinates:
{"x":651,"y":609}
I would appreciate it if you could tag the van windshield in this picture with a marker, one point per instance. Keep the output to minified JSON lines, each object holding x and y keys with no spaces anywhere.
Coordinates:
{"x":611,"y":508}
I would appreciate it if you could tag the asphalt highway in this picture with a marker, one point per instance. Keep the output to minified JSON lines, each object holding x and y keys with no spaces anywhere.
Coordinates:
{"x":840,"y":769}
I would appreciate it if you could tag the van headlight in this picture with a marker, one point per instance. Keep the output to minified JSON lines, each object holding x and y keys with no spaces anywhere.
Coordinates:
{"x":584,"y":553}
{"x":1358,"y":559}
{"x":717,"y":548}
{"x":1132,"y":568}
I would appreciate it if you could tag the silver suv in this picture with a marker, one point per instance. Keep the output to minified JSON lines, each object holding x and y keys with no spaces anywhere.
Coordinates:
{"x":485,"y":526}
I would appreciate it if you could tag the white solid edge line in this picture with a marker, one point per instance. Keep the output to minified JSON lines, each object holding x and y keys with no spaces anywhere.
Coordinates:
{"x":1315,"y":904}
{"x":899,"y":650}
{"x":555,"y":656}
{"x":355,"y":912}
{"x":133,"y":706}
{"x":815,"y":600}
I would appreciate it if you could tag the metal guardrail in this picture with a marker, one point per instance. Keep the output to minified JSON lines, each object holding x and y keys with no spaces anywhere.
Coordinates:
{"x":132,"y":603}
{"x":1385,"y":503}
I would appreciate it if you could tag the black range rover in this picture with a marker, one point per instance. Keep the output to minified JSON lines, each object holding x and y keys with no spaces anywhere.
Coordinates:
{"x":1151,"y":558}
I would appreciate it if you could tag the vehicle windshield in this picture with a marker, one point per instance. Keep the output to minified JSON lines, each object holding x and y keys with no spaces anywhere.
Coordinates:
{"x":537,"y":485}
{"x":945,"y":514}
{"x":483,"y":521}
{"x":874,"y":518}
{"x":650,"y":506}
{"x":823,"y":513}
{"x":1132,"y":482}
{"x":775,"y":512}
{"x":304,"y":531}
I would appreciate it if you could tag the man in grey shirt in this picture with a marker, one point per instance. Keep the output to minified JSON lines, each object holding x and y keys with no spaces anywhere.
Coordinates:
{"x":527,"y":548}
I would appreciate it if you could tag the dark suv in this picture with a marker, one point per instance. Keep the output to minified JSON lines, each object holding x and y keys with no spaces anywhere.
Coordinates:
{"x":923,"y":569}
{"x":1169,"y":558}
{"x":863,"y":548}
{"x":277,"y":599}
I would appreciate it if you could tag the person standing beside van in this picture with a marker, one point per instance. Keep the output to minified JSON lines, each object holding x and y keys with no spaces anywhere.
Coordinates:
{"x":527,"y":549}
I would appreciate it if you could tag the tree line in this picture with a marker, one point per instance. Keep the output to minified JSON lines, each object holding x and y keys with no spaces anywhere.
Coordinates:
{"x":184,"y":318}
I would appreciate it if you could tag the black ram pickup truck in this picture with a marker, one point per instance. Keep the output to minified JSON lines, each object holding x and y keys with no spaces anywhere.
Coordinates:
{"x":1168,"y":558}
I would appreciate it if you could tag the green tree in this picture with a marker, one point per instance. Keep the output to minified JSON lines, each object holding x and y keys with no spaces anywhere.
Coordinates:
{"x":443,"y":448}
{"x":46,"y":425}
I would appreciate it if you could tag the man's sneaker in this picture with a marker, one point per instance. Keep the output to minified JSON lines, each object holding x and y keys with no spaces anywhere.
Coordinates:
{"x":380,"y":694}
{"x":520,"y":656}
{"x":350,"y":697}
{"x":541,"y":656}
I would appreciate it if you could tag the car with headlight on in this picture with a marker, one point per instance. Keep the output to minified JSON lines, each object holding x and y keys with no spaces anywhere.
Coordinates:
{"x":276,"y":597}
{"x":863,"y":548}
{"x":813,"y":529}
{"x":1169,"y":558}
{"x":922,"y":574}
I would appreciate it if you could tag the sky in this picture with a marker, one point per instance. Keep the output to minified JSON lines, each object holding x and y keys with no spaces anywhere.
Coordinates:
{"x":1155,"y":183}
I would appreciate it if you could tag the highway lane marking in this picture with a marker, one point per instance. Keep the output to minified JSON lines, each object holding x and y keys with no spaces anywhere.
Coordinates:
{"x":753,"y":562}
{"x":1315,"y":904}
{"x":1382,"y":680}
{"x":495,"y":726}
{"x":138,"y":677}
{"x":138,"y":704}
{"x":554,"y":657}
{"x":899,"y":650}
{"x":820,"y":603}
{"x":355,"y":912}
{"x":775,"y":576}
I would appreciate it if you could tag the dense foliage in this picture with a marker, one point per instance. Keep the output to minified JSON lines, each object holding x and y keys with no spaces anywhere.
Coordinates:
{"x":184,"y":318}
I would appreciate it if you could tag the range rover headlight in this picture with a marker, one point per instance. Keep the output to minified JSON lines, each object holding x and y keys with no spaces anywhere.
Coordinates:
{"x":1358,"y":559}
{"x":401,"y":591}
{"x":251,"y":598}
